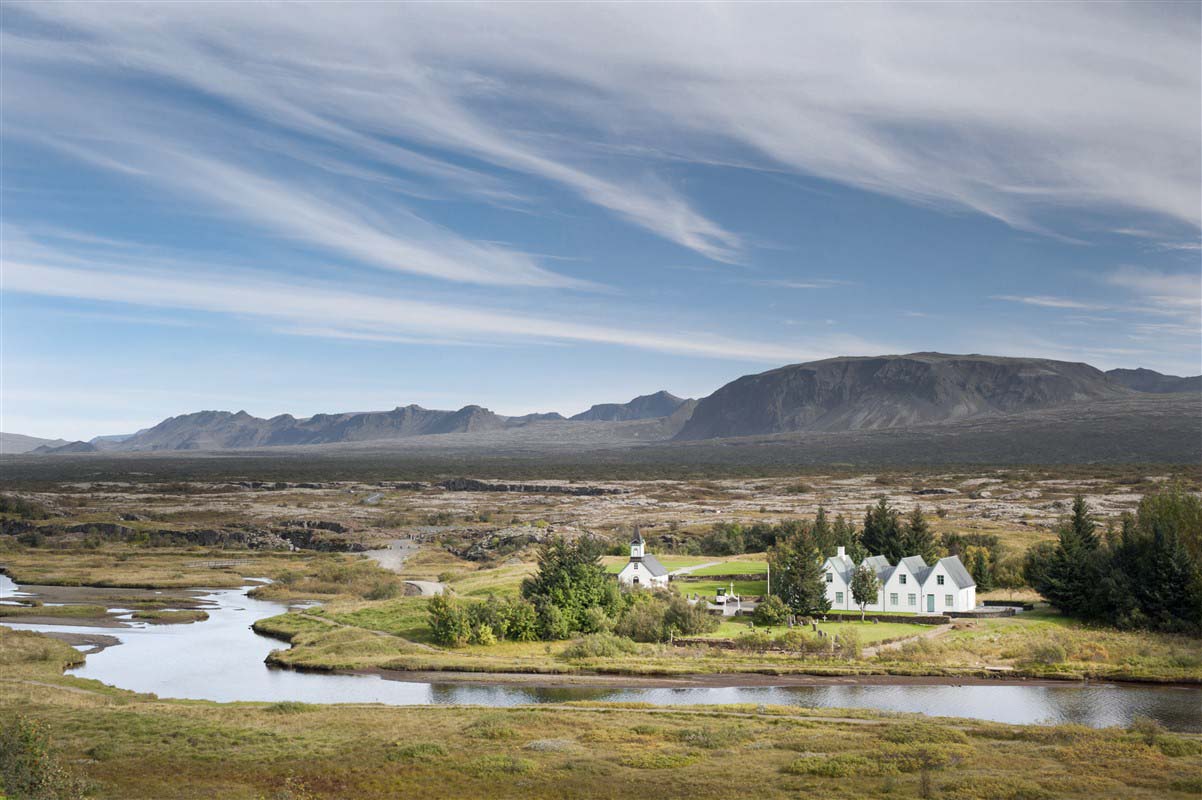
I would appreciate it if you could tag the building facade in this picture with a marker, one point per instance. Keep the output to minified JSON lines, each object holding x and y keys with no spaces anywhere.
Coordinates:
{"x":643,"y":571}
{"x":909,"y":587}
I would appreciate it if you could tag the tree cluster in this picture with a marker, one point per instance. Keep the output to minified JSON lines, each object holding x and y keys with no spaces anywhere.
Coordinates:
{"x":1148,"y":574}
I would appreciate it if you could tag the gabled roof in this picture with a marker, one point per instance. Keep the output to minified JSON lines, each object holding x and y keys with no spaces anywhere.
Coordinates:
{"x":654,"y":567}
{"x":917,"y":567}
{"x":956,"y":571}
{"x":843,"y":566}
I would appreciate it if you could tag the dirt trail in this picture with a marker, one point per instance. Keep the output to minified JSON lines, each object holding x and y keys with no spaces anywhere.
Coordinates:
{"x":870,"y":652}
{"x":393,"y":558}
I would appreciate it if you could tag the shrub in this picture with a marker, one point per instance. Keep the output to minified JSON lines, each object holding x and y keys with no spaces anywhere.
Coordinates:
{"x":417,"y":751}
{"x":449,"y":623}
{"x":521,"y":620}
{"x":904,"y":732}
{"x":29,"y":769}
{"x":755,"y":641}
{"x":491,"y":728}
{"x":1048,"y":651}
{"x":657,"y":618}
{"x":1177,"y":747}
{"x":655,"y":760}
{"x":710,"y":738}
{"x":595,"y":620}
{"x":847,"y":644}
{"x":599,"y":645}
{"x":839,"y":766}
{"x":771,"y":611}
{"x":290,"y":707}
{"x":499,"y":765}
{"x":553,"y":624}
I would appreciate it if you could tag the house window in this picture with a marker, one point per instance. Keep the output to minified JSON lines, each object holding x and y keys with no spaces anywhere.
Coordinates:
{"x":892,"y":599}
{"x":830,"y":577}
{"x":838,"y":597}
{"x":636,"y":566}
{"x":902,"y":578}
{"x":947,"y":600}
{"x":912,"y":599}
{"x":939,"y":579}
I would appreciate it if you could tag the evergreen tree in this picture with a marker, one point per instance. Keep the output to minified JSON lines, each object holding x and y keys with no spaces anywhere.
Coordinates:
{"x":846,"y":535}
{"x":918,"y":539}
{"x":882,"y":534}
{"x":797,"y":576}
{"x":570,"y":580}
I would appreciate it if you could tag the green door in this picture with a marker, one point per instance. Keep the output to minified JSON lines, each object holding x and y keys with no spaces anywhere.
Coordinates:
{"x":930,"y":604}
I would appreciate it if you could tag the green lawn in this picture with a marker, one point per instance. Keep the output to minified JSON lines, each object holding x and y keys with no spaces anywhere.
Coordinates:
{"x":710,"y":588}
{"x":614,"y":564}
{"x":734,"y":567}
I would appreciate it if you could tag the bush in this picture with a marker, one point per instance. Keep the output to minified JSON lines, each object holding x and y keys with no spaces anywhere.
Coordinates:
{"x":417,"y":751}
{"x":449,"y":623}
{"x":839,"y":766}
{"x":847,"y":644}
{"x":771,"y":611}
{"x":27,"y":767}
{"x":657,"y":618}
{"x":658,"y":760}
{"x":599,"y":645}
{"x":755,"y":641}
{"x":499,"y":765}
{"x":1049,"y":651}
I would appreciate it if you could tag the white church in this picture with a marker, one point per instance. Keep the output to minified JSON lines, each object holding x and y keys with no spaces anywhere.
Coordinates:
{"x":643,"y":571}
{"x":911,"y":587}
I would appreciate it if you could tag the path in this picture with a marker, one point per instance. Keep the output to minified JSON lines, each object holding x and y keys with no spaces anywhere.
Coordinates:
{"x":938,"y":630}
{"x":687,"y":570}
{"x":393,"y":558}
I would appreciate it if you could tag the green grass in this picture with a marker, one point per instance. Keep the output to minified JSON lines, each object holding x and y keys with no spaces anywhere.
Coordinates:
{"x":405,"y":616}
{"x":173,"y":617}
{"x":710,"y":588}
{"x":53,"y":611}
{"x":138,"y":747}
{"x":614,"y":564}
{"x":869,"y":633}
{"x":734,"y":567}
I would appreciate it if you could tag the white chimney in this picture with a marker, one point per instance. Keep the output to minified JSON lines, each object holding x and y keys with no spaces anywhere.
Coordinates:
{"x":842,"y":552}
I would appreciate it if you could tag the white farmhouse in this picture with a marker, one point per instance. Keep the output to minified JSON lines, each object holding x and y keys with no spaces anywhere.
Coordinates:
{"x":643,"y":570}
{"x":911,"y":587}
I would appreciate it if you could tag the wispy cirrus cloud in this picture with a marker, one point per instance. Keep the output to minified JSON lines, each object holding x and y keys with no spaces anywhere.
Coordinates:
{"x":352,"y":313}
{"x":1046,"y":301}
{"x":989,"y":107}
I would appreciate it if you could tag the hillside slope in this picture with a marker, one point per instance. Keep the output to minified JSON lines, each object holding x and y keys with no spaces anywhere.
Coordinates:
{"x":869,"y":393}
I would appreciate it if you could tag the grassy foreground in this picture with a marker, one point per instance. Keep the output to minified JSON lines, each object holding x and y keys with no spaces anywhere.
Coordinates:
{"x":132,"y":746}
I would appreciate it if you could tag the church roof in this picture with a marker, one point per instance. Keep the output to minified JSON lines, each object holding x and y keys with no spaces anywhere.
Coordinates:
{"x":637,"y":537}
{"x":654,"y":567}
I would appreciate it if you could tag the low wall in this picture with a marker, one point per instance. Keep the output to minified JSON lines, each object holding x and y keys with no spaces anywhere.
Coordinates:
{"x":854,"y":616}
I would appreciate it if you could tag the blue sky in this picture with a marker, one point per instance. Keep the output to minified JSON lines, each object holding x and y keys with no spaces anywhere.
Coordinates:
{"x":538,"y":207}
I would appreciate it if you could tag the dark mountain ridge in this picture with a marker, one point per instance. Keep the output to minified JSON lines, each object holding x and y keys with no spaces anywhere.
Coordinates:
{"x":898,"y":391}
{"x":647,"y":406}
{"x":1146,"y":380}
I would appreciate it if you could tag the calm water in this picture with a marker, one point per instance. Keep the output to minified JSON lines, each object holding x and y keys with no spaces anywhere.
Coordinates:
{"x":222,"y":659}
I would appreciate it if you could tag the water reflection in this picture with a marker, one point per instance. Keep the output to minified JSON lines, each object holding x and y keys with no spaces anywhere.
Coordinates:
{"x":222,"y":659}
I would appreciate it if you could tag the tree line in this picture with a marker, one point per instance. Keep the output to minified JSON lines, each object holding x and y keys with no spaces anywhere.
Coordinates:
{"x":1146,"y":573}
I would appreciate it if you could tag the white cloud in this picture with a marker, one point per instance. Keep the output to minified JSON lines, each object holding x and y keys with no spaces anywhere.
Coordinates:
{"x":992,"y":107}
{"x":339,"y":311}
{"x":1044,"y":301}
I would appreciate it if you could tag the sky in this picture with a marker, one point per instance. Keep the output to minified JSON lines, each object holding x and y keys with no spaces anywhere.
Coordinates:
{"x":537,"y":207}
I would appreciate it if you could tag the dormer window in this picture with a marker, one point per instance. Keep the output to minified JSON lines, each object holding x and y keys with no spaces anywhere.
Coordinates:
{"x":902,"y":579}
{"x":939,"y":579}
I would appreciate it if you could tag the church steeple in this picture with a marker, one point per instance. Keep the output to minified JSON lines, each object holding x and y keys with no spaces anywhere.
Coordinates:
{"x":637,"y":545}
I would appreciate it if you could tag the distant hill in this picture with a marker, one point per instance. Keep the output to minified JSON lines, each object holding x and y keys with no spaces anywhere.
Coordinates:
{"x":19,"y":443}
{"x":1146,"y":380}
{"x":223,"y":430}
{"x":69,"y":447}
{"x":946,"y":406}
{"x":647,"y":406}
{"x":869,"y":393}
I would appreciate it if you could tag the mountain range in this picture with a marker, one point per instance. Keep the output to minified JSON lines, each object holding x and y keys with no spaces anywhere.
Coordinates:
{"x":843,"y":395}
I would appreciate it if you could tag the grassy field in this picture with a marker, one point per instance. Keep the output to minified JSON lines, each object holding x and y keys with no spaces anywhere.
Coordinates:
{"x":734,"y":566}
{"x":710,"y":588}
{"x":137,"y":747}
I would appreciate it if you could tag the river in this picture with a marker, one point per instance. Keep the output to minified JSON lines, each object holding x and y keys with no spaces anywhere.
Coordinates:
{"x":222,"y":659}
